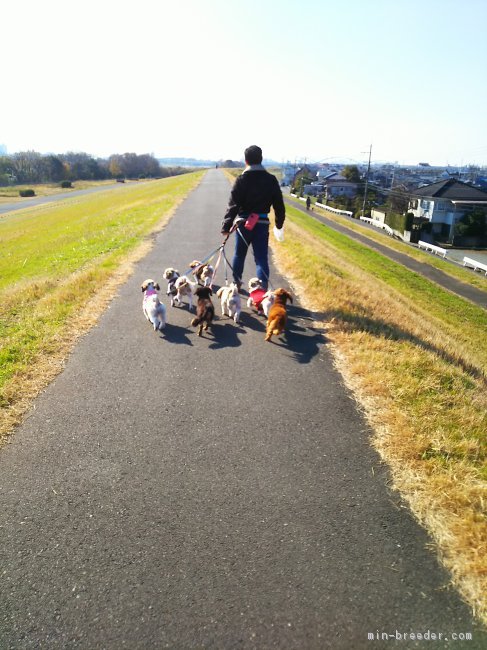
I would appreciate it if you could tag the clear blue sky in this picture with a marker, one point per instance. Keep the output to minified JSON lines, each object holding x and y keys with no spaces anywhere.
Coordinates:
{"x":315,"y":79}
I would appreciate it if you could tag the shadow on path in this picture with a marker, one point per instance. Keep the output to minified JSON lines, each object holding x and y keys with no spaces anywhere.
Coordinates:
{"x":176,"y":334}
{"x":302,"y":339}
{"x":226,"y":334}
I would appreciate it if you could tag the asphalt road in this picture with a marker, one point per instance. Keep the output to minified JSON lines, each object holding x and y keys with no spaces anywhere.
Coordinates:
{"x":477,"y":296}
{"x":40,"y":200}
{"x":170,"y":491}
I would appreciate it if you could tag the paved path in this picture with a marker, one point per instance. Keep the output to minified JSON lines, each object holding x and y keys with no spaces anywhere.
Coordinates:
{"x":170,"y":491}
{"x":477,"y":296}
{"x":62,"y":196}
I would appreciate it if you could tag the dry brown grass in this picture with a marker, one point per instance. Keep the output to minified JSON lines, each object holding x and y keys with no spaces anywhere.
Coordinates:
{"x":421,"y":385}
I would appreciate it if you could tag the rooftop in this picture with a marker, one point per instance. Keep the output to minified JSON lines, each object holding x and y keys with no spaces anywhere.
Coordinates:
{"x":453,"y":190}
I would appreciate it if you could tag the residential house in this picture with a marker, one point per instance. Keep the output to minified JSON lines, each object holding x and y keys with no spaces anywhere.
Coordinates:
{"x":314,"y":189}
{"x":444,"y":203}
{"x":336,"y":185}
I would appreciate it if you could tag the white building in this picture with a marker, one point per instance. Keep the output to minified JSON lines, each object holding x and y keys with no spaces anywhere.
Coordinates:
{"x":445,"y":203}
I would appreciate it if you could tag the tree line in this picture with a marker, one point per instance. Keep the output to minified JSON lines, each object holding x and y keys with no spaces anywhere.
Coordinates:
{"x":33,"y":167}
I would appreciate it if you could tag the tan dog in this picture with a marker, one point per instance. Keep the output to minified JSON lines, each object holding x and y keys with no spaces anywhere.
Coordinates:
{"x":277,"y":318}
{"x":230,"y":301}
{"x":202,"y":273}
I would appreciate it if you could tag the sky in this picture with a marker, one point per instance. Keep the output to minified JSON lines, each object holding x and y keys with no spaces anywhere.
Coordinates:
{"x":320,"y":80}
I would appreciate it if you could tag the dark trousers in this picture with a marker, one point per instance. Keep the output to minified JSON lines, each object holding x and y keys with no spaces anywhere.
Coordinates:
{"x":258,"y":238}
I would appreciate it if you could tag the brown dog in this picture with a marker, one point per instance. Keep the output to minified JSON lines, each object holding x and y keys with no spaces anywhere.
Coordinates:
{"x":276,"y":320}
{"x":205,"y":312}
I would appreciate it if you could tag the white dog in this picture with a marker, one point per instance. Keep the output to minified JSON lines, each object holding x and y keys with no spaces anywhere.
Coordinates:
{"x":153,"y":309}
{"x":267,"y":302}
{"x":184,"y":288}
{"x":230,"y":301}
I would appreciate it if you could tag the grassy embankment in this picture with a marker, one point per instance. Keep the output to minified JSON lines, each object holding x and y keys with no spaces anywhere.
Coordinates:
{"x":456,"y":271}
{"x":10,"y":194}
{"x":60,"y":266}
{"x":416,"y":359}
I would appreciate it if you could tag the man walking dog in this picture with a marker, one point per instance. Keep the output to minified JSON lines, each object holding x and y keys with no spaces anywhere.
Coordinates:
{"x":253,"y":194}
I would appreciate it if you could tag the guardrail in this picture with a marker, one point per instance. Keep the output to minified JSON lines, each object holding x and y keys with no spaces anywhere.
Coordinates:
{"x":477,"y":266}
{"x":378,"y":224}
{"x":347,"y":213}
{"x":432,"y":248}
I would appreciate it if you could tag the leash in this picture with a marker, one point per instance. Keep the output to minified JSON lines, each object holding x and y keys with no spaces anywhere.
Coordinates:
{"x":221,"y":255}
{"x":207,"y":259}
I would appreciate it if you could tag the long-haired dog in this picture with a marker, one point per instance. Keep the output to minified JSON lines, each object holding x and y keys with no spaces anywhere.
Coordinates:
{"x":153,"y":309}
{"x":202,"y":273}
{"x":230,"y":301}
{"x":184,"y":288}
{"x":259,"y":297}
{"x":205,"y":311}
{"x":171,"y":275}
{"x":276,"y":320}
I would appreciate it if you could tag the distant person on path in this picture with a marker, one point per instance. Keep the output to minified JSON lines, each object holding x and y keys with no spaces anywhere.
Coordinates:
{"x":308,"y":203}
{"x":253,"y":193}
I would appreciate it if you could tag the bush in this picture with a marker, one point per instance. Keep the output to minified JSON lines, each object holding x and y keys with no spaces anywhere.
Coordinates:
{"x":400,"y":222}
{"x":27,"y":193}
{"x":472,"y":224}
{"x":66,"y":184}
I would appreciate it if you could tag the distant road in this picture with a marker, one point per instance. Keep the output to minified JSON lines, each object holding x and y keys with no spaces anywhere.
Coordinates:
{"x":39,"y":200}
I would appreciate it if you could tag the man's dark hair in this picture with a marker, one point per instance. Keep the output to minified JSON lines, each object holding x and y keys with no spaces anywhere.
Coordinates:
{"x":253,"y":155}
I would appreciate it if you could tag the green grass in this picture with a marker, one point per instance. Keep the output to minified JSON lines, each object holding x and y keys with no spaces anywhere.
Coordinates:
{"x":439,"y":263}
{"x":465,"y":321}
{"x":55,"y":257}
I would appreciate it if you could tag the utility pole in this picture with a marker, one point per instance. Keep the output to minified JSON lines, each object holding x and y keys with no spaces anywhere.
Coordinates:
{"x":366,"y":181}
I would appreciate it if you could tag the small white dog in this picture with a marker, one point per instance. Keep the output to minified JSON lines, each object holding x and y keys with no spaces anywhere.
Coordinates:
{"x":184,"y":288}
{"x":203,"y":273}
{"x":171,"y":276}
{"x":267,"y":302}
{"x":153,"y":309}
{"x":259,"y":298}
{"x":230,"y":301}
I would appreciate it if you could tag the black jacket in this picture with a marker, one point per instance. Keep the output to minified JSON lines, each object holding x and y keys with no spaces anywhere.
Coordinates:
{"x":255,"y":190}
